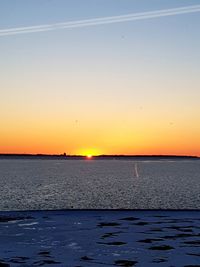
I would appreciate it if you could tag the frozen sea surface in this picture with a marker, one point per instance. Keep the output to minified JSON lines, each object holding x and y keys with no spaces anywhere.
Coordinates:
{"x":96,"y":184}
{"x":100,"y":238}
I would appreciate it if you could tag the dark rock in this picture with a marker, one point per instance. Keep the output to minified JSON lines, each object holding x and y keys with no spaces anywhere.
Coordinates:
{"x":44,"y":253}
{"x":150,"y":240}
{"x":159,"y":260}
{"x":106,"y":235}
{"x":125,"y":263}
{"x":43,"y":262}
{"x":162,"y":247}
{"x":86,"y":258}
{"x":105,"y":224}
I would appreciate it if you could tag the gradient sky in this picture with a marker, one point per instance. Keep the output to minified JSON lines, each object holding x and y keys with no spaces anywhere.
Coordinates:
{"x":124,"y":88}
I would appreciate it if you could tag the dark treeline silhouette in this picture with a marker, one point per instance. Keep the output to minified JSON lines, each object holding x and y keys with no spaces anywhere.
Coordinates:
{"x":100,"y":157}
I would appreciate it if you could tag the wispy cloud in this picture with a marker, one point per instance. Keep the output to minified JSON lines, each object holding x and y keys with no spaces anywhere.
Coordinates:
{"x":101,"y":21}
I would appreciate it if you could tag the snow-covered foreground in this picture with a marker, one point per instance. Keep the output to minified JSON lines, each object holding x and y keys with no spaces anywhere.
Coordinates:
{"x":100,"y":238}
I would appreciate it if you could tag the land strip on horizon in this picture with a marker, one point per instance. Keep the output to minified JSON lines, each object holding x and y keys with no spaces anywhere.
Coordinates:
{"x":98,"y":157}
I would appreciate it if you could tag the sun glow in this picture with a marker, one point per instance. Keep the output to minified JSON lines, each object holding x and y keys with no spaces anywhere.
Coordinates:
{"x":89,"y":153}
{"x":89,"y":156}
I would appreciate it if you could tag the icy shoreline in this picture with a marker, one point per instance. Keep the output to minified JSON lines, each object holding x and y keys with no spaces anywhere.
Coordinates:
{"x":100,"y":238}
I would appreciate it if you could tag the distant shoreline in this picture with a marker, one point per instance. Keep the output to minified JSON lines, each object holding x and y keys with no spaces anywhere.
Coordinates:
{"x":100,"y":157}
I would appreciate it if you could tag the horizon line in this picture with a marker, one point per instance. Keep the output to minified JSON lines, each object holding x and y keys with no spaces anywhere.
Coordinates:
{"x":101,"y":20}
{"x":100,"y":155}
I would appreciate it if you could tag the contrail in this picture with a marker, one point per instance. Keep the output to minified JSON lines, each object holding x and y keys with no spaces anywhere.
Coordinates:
{"x":101,"y":21}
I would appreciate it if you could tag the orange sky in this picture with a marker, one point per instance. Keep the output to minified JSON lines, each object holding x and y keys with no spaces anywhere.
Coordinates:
{"x":126,"y":88}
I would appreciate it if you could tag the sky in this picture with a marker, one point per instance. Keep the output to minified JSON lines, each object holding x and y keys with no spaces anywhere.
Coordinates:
{"x":129,"y":87}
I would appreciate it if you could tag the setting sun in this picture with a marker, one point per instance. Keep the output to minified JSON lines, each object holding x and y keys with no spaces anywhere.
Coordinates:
{"x":89,"y":156}
{"x":89,"y":153}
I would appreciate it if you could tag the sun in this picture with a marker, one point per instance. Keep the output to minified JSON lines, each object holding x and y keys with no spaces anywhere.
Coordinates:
{"x":89,"y":156}
{"x":89,"y":153}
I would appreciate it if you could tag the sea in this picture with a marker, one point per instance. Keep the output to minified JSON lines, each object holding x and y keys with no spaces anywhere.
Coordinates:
{"x":43,"y":184}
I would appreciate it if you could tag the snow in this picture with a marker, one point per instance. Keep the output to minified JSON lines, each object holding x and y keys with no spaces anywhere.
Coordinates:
{"x":100,"y":238}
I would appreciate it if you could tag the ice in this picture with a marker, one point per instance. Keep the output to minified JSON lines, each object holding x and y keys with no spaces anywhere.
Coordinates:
{"x":99,"y":184}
